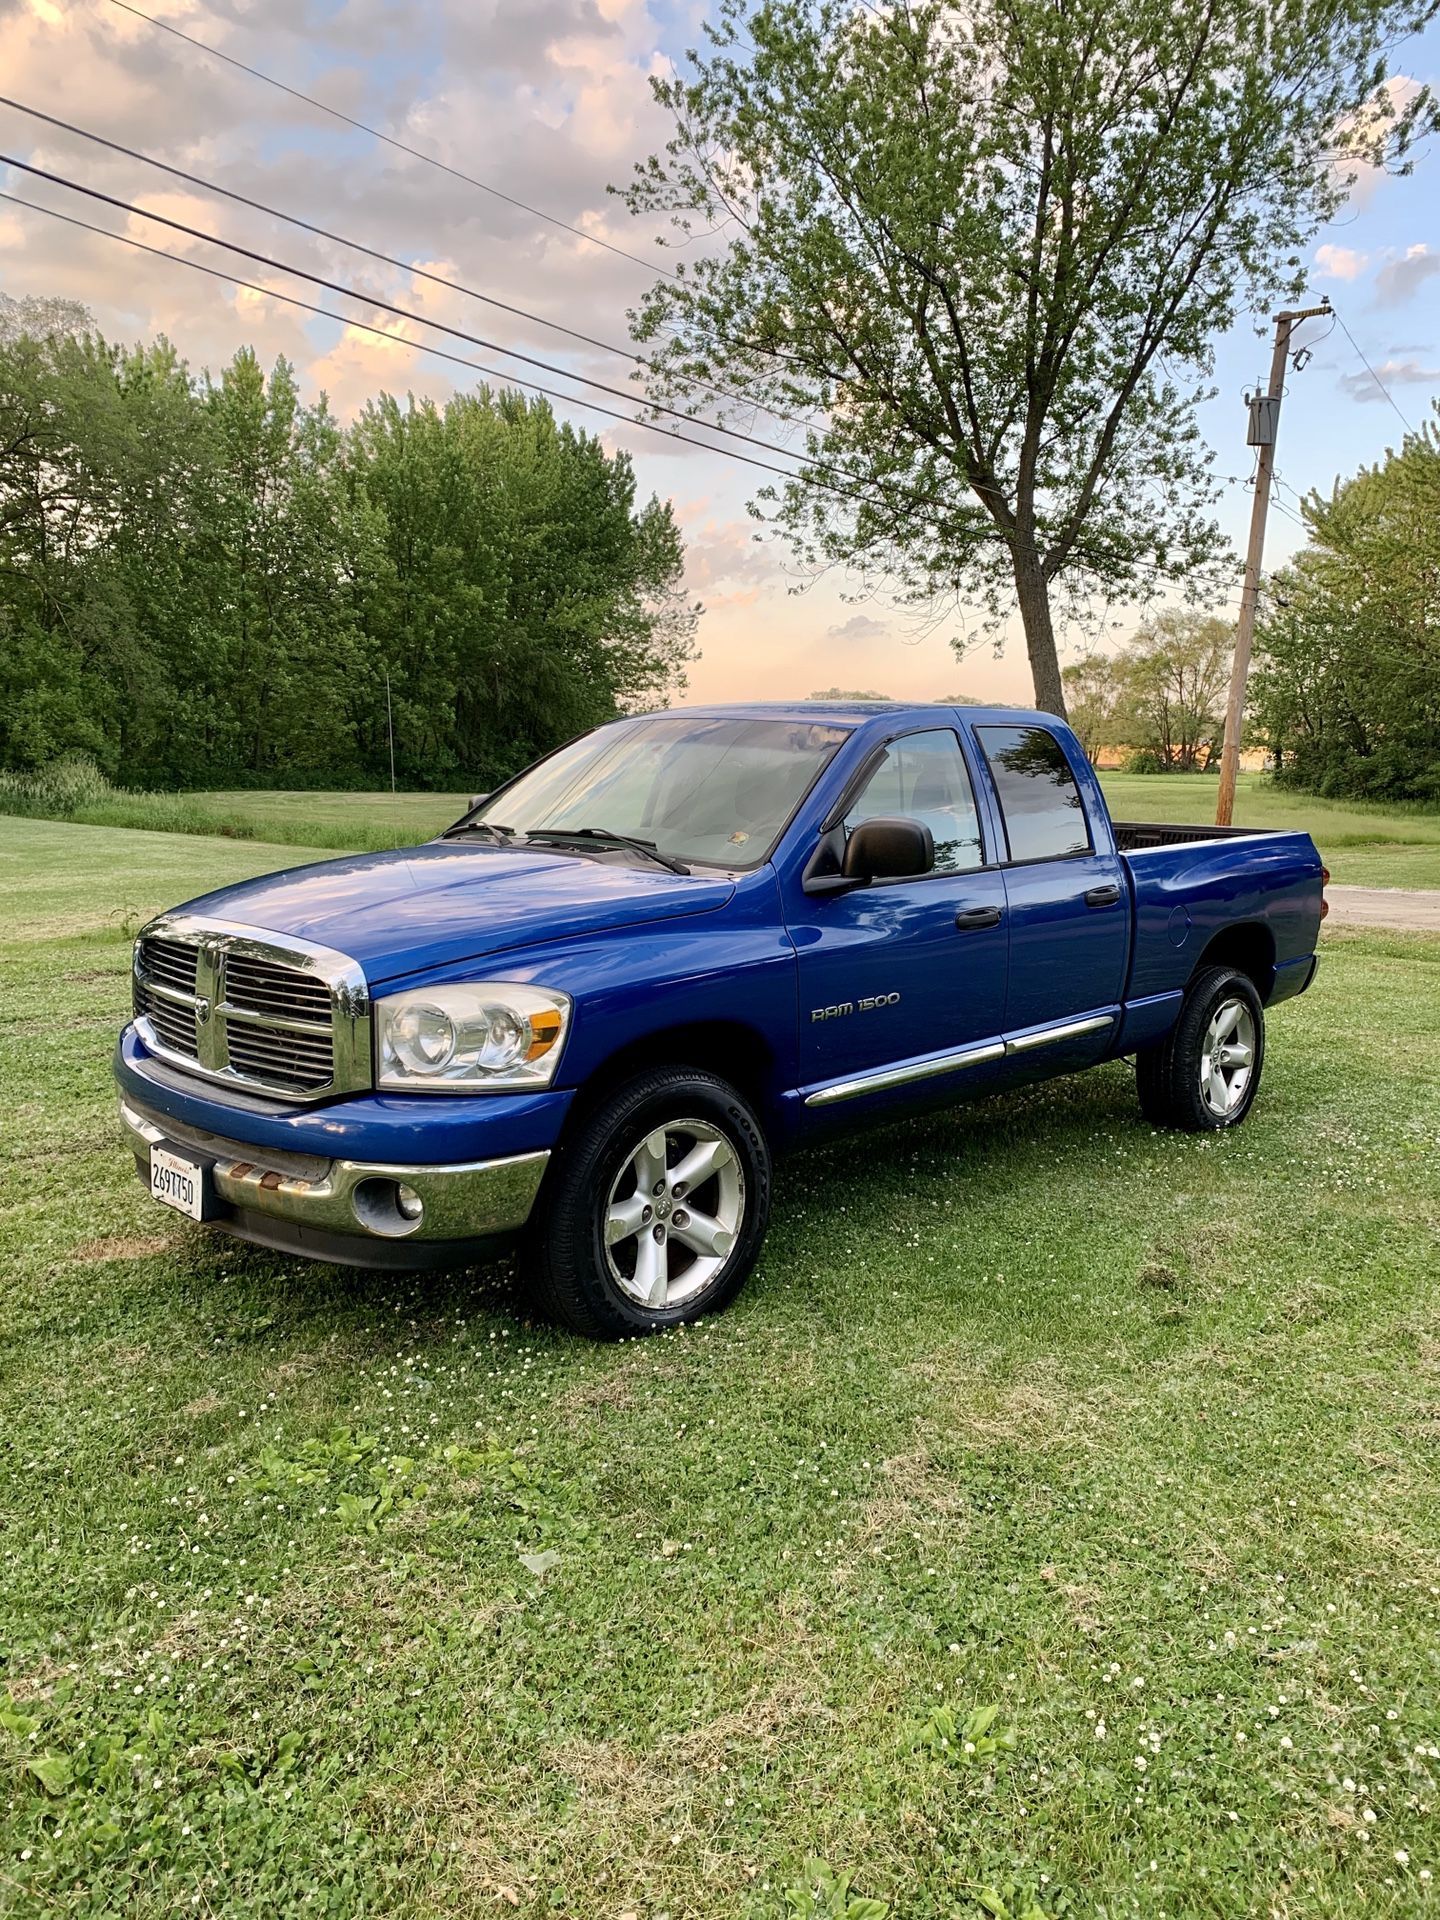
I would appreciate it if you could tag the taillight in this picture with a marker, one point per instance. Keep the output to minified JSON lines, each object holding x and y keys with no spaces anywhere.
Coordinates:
{"x":1324,"y":882}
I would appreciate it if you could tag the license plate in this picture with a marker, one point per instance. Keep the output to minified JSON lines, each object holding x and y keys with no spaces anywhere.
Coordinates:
{"x":177,"y":1182}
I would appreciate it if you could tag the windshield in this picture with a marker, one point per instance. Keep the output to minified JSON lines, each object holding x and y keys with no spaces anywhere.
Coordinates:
{"x":718,"y":791}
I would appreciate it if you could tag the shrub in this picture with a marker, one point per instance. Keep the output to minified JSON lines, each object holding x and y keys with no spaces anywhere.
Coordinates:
{"x":1146,"y":760}
{"x":56,"y":791}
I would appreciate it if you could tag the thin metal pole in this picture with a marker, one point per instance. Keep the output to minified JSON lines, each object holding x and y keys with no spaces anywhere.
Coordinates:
{"x":390,"y":728}
{"x":1254,"y":561}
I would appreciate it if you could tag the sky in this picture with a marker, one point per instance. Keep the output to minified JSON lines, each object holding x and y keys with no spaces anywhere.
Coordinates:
{"x":548,"y":101}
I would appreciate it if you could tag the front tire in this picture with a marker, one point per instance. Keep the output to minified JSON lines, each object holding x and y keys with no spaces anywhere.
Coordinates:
{"x":655,"y":1211}
{"x":1206,"y":1072}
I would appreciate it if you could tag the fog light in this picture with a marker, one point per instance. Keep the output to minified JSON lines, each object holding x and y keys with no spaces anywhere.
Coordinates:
{"x":409,"y":1202}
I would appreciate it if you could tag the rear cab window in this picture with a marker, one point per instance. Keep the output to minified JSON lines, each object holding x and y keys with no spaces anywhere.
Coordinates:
{"x":1040,"y":805}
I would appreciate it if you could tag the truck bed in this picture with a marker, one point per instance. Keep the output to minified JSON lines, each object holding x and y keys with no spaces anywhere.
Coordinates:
{"x":1133,"y":835}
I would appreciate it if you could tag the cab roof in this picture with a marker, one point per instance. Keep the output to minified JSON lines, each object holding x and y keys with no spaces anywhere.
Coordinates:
{"x":854,"y":711}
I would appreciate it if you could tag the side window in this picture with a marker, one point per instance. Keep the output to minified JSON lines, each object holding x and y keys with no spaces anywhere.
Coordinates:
{"x":1039,"y":799}
{"x":923,"y":776}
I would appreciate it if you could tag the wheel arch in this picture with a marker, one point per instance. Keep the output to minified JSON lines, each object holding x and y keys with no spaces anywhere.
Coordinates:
{"x":732,"y":1049}
{"x":1249,"y":948}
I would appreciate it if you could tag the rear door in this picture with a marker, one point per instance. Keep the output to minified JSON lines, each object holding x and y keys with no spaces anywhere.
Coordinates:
{"x":1067,"y":899}
{"x":901,"y":969}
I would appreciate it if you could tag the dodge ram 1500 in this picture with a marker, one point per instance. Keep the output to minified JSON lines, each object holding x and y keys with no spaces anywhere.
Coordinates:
{"x":595,"y":1007}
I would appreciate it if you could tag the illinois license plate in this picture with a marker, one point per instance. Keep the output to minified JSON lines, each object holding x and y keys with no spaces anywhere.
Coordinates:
{"x":177,"y":1182}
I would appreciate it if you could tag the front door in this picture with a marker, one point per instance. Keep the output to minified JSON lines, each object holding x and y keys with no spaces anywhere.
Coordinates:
{"x":901,"y":969}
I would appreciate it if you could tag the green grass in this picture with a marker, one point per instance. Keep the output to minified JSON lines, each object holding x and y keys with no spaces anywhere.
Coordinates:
{"x":1028,"y":1407}
{"x":369,"y":820}
{"x":343,"y":822}
{"x":1363,"y":845}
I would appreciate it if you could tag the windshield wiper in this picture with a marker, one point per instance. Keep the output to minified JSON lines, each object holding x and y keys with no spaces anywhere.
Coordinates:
{"x":603,"y":834}
{"x":479,"y":826}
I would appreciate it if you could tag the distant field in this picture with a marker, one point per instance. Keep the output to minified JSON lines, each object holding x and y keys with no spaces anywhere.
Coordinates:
{"x":1363,"y":845}
{"x":336,"y":819}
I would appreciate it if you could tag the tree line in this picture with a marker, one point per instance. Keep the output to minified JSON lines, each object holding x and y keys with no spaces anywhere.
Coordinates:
{"x":1347,"y":684}
{"x":207,"y":582}
{"x":1344,"y":698}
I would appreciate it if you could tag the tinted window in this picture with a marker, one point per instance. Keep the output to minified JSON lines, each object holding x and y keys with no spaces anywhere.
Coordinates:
{"x":1038,"y":795}
{"x":923,"y":777}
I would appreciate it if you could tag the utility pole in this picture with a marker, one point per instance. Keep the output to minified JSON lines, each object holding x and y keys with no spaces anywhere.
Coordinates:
{"x":1264,"y":429}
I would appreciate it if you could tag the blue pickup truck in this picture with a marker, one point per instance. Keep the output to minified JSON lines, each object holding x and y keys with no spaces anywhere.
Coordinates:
{"x":592,"y":1011}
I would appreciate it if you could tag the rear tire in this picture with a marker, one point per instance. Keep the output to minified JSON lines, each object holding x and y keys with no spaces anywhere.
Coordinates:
{"x":1204,"y":1075}
{"x":655,"y":1210}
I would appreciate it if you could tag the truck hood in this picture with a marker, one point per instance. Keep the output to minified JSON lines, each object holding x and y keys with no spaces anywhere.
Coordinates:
{"x":428,"y":907}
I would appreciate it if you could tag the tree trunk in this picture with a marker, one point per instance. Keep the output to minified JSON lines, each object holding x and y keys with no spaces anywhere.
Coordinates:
{"x":1032,"y":590}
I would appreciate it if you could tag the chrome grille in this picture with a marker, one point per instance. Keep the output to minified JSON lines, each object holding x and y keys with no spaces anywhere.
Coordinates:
{"x":263,"y":1011}
{"x":304,"y":1061}
{"x":175,"y":1024}
{"x":170,"y":965}
{"x":260,"y":986}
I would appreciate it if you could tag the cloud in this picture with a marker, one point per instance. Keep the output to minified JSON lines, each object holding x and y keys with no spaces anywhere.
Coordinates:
{"x":860,"y":626}
{"x":730,"y":565}
{"x":1340,"y":263}
{"x":1392,"y":373}
{"x":546,"y":100}
{"x":1400,"y":280}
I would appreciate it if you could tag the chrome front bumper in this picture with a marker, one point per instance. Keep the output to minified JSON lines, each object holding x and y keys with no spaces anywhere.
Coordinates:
{"x":346,"y":1200}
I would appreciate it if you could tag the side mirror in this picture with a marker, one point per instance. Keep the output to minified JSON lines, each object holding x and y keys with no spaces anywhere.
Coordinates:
{"x":478,"y":800}
{"x":888,"y":849}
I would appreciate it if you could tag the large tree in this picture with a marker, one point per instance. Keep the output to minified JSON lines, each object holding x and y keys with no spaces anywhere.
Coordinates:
{"x":984,"y":248}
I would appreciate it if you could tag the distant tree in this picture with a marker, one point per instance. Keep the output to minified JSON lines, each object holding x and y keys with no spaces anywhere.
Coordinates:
{"x":987,"y":247}
{"x":523,"y":596}
{"x":1093,"y":689}
{"x":39,"y":316}
{"x":846,"y":693}
{"x":1346,"y":689}
{"x":207,"y":582}
{"x":1171,"y":678}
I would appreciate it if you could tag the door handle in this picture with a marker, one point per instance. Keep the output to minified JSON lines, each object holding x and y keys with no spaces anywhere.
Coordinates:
{"x":1104,"y":896}
{"x":968,"y":919}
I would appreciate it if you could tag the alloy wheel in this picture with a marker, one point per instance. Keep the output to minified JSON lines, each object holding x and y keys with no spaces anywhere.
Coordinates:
{"x":1227,"y":1058}
{"x":674,"y":1214}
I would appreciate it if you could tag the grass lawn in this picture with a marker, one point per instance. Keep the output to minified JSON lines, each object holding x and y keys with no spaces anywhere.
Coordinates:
{"x":338,"y":1594}
{"x":1363,"y":845}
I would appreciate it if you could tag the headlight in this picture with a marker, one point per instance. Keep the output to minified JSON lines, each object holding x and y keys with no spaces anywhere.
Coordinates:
{"x":471,"y":1039}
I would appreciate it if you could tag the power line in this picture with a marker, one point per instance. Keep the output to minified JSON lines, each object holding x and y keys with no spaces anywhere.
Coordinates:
{"x":386,"y":259}
{"x":400,"y":146}
{"x":1373,"y":375}
{"x":388,"y":306}
{"x":494,"y":373}
{"x":417,"y":346}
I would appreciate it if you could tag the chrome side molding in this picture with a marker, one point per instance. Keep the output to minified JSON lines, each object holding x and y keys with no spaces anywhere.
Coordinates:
{"x":957,"y":1062}
{"x":1067,"y":1030}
